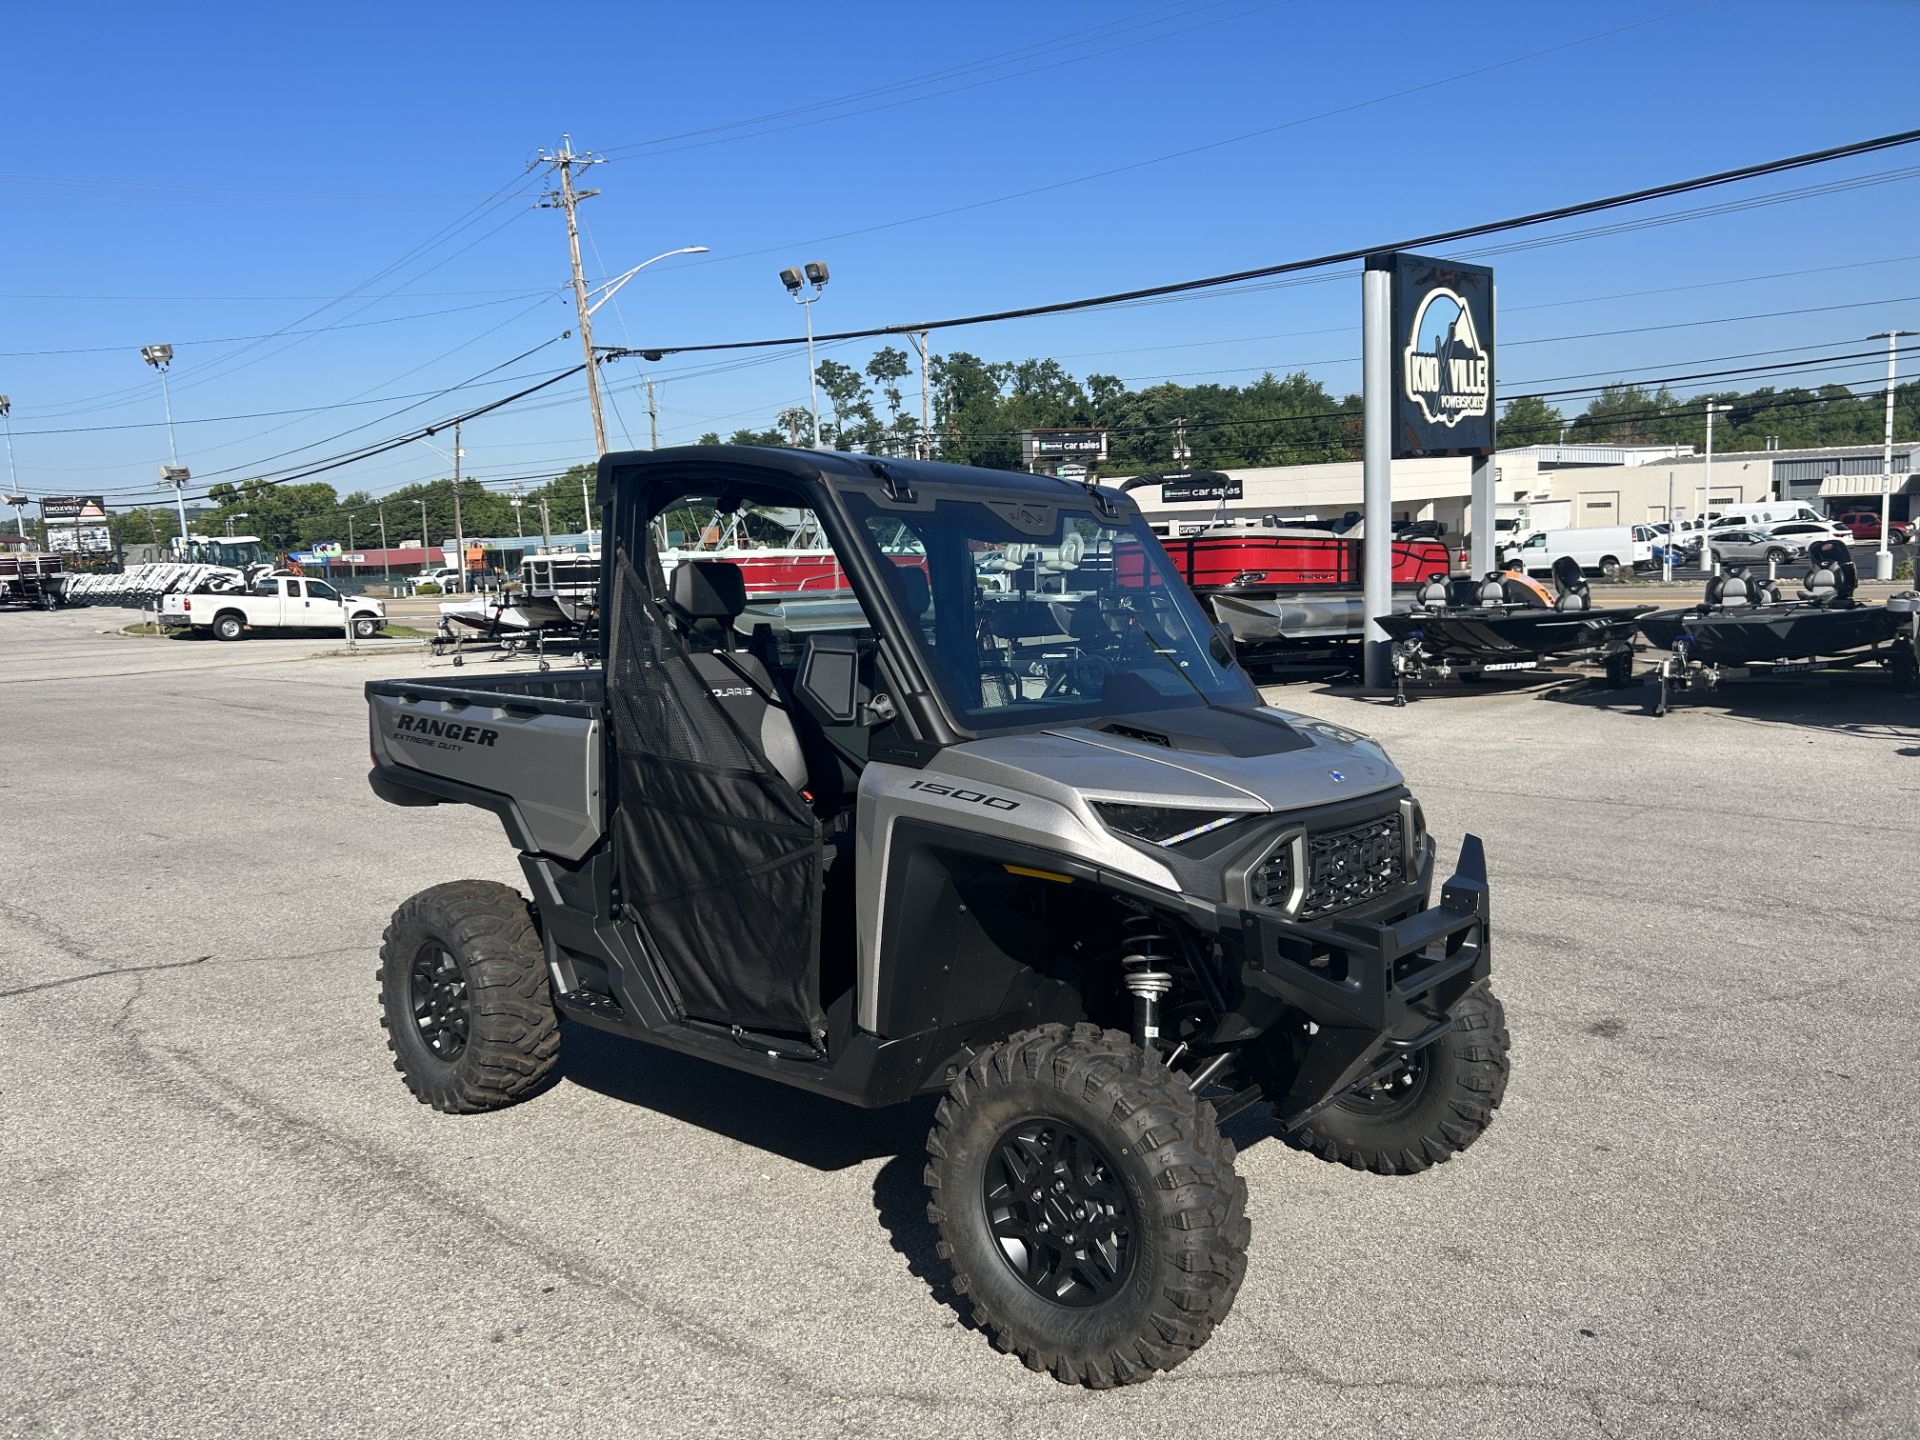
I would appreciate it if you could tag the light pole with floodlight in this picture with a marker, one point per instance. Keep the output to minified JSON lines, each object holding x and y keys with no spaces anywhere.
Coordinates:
{"x":816,"y":275}
{"x":174,"y":473}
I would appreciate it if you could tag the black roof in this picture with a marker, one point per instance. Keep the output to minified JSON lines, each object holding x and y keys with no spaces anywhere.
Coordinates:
{"x":835,"y":468}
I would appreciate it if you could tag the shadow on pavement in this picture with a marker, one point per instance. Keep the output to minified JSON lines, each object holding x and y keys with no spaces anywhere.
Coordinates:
{"x":808,"y":1129}
{"x":1865,"y":703}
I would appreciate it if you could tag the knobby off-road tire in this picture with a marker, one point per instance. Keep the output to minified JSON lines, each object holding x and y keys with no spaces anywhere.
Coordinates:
{"x":1437,"y":1106}
{"x":464,"y":997}
{"x":1162,"y":1170}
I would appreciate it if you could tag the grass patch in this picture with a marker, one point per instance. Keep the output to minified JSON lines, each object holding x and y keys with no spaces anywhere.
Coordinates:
{"x":147,"y":628}
{"x":403,"y":632}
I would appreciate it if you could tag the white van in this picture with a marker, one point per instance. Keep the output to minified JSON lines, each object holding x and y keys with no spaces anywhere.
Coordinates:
{"x":1609,"y":549}
{"x":1762,"y":513}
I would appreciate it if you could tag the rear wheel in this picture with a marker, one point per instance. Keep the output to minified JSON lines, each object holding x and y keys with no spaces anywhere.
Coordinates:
{"x":1435,"y":1102}
{"x":1088,"y":1204}
{"x":229,"y":627}
{"x":464,"y":997}
{"x":1609,"y":566}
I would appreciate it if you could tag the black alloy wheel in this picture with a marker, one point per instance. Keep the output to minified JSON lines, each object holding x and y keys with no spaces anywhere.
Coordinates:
{"x":1399,"y":1087}
{"x":1059,"y":1213}
{"x":437,"y":993}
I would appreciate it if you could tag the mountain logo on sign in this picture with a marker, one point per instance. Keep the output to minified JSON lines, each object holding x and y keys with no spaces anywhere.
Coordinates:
{"x":1445,"y":369}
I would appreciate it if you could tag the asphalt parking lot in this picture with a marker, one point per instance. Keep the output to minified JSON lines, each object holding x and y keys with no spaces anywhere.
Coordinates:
{"x":222,"y":1214}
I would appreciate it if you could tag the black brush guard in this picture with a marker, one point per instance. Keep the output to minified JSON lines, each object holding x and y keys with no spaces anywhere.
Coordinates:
{"x":1374,"y":990}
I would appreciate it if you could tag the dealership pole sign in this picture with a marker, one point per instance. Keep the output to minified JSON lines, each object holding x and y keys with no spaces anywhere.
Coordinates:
{"x":1065,"y":444}
{"x":1442,"y":355}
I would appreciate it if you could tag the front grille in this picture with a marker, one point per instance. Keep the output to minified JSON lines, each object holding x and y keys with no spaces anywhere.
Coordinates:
{"x":1351,"y":866}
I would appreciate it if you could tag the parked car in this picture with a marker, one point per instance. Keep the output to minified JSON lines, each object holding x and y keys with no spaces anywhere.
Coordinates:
{"x":1865,"y":525}
{"x":1419,"y":530}
{"x":1741,"y":546}
{"x":1808,"y":531}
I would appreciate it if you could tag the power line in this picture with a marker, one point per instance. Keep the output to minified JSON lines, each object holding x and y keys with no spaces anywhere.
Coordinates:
{"x":1287,"y":267}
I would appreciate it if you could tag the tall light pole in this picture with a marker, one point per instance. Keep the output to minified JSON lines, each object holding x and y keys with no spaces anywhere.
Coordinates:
{"x":174,"y":473}
{"x":816,"y":275}
{"x":386,"y":555}
{"x":606,"y":290}
{"x":13,"y":495}
{"x":1706,"y":493}
{"x":1883,"y":557}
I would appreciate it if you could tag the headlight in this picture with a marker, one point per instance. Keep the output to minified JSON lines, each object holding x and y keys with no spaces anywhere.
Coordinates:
{"x":1162,"y":825}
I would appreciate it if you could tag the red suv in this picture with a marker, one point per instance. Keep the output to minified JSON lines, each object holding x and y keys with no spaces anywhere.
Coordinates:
{"x":1865,"y":525}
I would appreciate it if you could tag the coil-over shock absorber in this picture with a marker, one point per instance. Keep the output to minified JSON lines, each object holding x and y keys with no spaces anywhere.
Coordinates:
{"x":1146,"y":948}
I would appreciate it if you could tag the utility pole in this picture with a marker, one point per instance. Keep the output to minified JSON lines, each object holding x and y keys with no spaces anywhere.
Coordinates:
{"x":924,"y":450}
{"x":546,"y":526}
{"x":586,"y":511}
{"x":519,"y":499}
{"x":653,"y":419}
{"x":14,"y":497}
{"x":459,"y":530}
{"x":566,"y":198}
{"x":386,"y":555}
{"x":1883,"y":557}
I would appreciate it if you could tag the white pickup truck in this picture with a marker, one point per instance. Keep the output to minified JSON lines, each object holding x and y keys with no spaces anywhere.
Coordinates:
{"x":276,"y":602}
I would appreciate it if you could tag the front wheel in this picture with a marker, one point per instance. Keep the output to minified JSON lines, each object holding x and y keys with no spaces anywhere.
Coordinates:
{"x":464,"y":997}
{"x":1088,"y":1205}
{"x":365,"y":627}
{"x":1436,"y":1102}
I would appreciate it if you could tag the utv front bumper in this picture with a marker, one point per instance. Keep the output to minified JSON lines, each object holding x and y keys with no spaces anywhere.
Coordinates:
{"x":1372,"y":988}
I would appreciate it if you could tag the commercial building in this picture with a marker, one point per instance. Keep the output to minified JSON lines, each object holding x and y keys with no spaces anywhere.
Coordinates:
{"x":1563,"y":485}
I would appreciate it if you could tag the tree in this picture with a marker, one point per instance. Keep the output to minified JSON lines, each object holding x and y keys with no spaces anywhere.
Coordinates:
{"x":854,"y":424}
{"x":797,"y":421}
{"x":1529,"y":420}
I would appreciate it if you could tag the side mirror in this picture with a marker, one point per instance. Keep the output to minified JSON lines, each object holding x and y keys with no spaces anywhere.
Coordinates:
{"x":829,"y":683}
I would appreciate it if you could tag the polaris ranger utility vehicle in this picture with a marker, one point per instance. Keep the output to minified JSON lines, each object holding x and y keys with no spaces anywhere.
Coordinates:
{"x":1000,"y":819}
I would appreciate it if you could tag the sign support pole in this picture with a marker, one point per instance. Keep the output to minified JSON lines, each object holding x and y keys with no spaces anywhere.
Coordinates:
{"x":1376,"y":560}
{"x":1480,"y":522}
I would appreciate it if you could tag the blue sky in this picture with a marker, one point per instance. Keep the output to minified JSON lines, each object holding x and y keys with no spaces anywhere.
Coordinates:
{"x":197,"y":173}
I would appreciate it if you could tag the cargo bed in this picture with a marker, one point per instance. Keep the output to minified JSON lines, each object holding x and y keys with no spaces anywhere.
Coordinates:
{"x":525,"y":745}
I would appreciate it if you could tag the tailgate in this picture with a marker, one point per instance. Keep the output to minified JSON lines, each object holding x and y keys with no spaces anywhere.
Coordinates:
{"x":533,"y":758}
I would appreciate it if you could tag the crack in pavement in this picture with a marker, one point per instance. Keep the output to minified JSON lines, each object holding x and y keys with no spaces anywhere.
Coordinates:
{"x":111,"y":972}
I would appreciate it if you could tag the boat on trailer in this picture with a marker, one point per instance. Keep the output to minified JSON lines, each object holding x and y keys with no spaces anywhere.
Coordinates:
{"x":1284,"y":588}
{"x":1745,"y":629}
{"x":1460,"y":627}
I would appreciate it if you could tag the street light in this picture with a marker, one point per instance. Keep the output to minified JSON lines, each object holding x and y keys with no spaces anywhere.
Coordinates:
{"x":580,"y":293}
{"x":1883,"y":557}
{"x":161,"y":357}
{"x":1706,"y":495}
{"x":242,"y":515}
{"x":816,"y":274}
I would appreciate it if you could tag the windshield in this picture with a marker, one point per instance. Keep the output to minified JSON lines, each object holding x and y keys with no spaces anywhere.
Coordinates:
{"x":1057,"y":623}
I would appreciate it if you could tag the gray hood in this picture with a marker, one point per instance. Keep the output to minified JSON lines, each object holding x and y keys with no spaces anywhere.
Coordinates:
{"x":1242,"y":759}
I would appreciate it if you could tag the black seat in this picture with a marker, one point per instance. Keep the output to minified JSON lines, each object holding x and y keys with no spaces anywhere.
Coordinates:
{"x":1435,"y":594}
{"x":1493,"y":590}
{"x":1832,"y":578}
{"x":707,"y":596}
{"x":1735,"y":590}
{"x":1571,"y":591}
